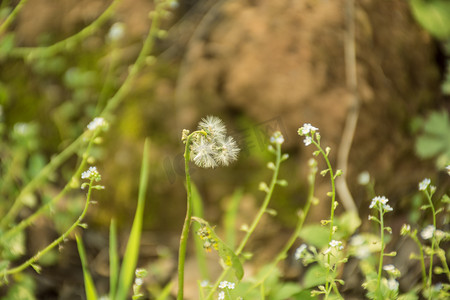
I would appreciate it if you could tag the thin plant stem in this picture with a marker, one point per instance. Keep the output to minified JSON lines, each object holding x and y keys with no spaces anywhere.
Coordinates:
{"x":56,"y":242}
{"x":380,"y":264}
{"x":422,"y":260}
{"x":256,"y":220}
{"x":12,"y":16}
{"x":433,"y":243}
{"x":70,"y":41}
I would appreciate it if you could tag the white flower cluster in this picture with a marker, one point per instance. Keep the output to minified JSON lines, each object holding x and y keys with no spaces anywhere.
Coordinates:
{"x":308,"y":131}
{"x":424,"y":184}
{"x":91,"y":173}
{"x":214,"y":148}
{"x":382,"y":200}
{"x":299,"y":251}
{"x":334,"y":244}
{"x":428,"y":232}
{"x":225,"y":285}
{"x":98,"y":122}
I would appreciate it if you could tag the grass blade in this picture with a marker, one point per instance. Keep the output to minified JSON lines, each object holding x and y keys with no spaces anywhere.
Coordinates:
{"x":113,"y":260}
{"x":132,"y":250}
{"x":91,"y":293}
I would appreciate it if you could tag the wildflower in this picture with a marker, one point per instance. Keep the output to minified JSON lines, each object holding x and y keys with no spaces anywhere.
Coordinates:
{"x":381,"y":200}
{"x":221,"y":296}
{"x":448,"y":169}
{"x":424,"y":184}
{"x":91,"y":174}
{"x":97,"y":123}
{"x":428,"y":232}
{"x":307,"y":128}
{"x":277,"y":138}
{"x":334,"y":244}
{"x":231,"y":285}
{"x":392,"y":284}
{"x":213,"y":126}
{"x":307,"y":141}
{"x":223,"y":284}
{"x":299,"y":251}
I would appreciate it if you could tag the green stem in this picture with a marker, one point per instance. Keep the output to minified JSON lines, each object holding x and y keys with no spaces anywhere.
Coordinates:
{"x":12,"y":16}
{"x":36,"y":181}
{"x":56,"y":242}
{"x":256,"y":221}
{"x":28,"y":221}
{"x":187,"y":220}
{"x":380,"y":264}
{"x":422,"y":261}
{"x":433,"y":244}
{"x":70,"y":41}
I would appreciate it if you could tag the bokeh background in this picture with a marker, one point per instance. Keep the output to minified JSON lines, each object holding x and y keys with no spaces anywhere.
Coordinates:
{"x":260,"y":66}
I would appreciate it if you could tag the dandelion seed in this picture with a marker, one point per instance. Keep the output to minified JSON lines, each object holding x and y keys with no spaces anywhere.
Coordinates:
{"x":299,"y":251}
{"x":227,"y":151}
{"x":428,"y":232}
{"x":203,"y":153}
{"x":213,"y":126}
{"x":424,"y":184}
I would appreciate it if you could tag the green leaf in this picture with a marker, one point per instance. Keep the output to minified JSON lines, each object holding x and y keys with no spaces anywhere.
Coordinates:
{"x":286,"y":291}
{"x":347,"y":224}
{"x":315,"y":235}
{"x":314,"y":276}
{"x":132,"y":250}
{"x":113,"y":260}
{"x":231,"y":217}
{"x":433,"y":15}
{"x":226,"y":254}
{"x":91,"y":293}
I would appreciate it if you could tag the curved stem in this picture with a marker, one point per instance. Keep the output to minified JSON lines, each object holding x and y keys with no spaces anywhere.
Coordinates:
{"x":12,"y":16}
{"x":433,"y":245}
{"x":56,"y":242}
{"x":380,"y":264}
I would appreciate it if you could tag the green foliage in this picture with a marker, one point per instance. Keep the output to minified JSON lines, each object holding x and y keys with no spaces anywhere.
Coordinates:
{"x":91,"y":293}
{"x":433,"y":15}
{"x":434,"y":139}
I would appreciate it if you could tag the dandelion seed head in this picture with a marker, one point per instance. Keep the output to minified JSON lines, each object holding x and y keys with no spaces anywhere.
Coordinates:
{"x":226,"y":151}
{"x":213,"y":126}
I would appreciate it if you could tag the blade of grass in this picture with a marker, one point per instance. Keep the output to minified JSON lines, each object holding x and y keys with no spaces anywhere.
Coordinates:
{"x":197,"y":209}
{"x":113,"y":260}
{"x":91,"y":293}
{"x":132,"y":250}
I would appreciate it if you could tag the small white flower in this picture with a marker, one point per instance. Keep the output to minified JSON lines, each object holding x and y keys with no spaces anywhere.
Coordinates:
{"x":204,"y":283}
{"x":91,"y":173}
{"x":96,"y":123}
{"x":223,"y":284}
{"x":392,"y":284}
{"x":213,"y":126}
{"x":299,"y":251}
{"x":231,"y":285}
{"x":389,"y":268}
{"x":448,"y":169}
{"x":277,"y":138}
{"x":428,"y":232}
{"x":336,"y":244}
{"x":307,"y":128}
{"x":381,"y":200}
{"x":221,"y":296}
{"x":424,"y":184}
{"x":307,"y":141}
